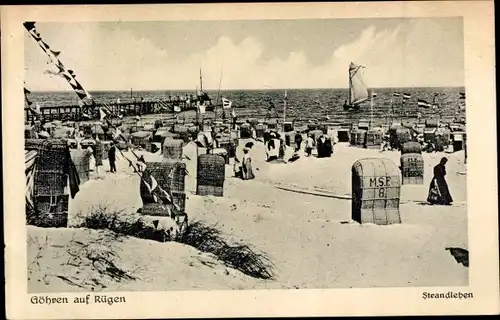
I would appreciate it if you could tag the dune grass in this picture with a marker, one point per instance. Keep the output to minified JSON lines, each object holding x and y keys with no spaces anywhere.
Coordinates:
{"x":241,"y":257}
{"x":208,"y":239}
{"x":101,"y":217}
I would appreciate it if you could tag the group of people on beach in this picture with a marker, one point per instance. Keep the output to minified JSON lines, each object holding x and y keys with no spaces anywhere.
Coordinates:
{"x":437,"y":144}
{"x":439,"y":193}
{"x":275,"y":145}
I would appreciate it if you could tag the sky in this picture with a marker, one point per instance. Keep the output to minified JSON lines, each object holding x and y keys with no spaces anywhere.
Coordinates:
{"x":263,"y":54}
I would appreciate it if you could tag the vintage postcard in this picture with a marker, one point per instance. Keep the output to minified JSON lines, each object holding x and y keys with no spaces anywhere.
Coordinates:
{"x":226,"y":160}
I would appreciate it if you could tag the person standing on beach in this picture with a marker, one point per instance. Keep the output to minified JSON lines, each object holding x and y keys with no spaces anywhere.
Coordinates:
{"x":309,"y":145}
{"x":247,"y":165}
{"x":438,"y":190}
{"x":298,"y":142}
{"x":321,"y":146}
{"x":99,"y":149}
{"x":385,"y":145}
{"x":328,"y":147}
{"x":282,"y":149}
{"x":112,"y":158}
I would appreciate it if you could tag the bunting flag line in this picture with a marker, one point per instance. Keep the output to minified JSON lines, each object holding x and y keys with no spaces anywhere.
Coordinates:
{"x":85,"y":99}
{"x":424,"y":104}
{"x":462,"y":95}
{"x":406,"y":95}
{"x":53,"y":56}
{"x":165,"y":197}
{"x":102,"y":114}
{"x":226,"y":103}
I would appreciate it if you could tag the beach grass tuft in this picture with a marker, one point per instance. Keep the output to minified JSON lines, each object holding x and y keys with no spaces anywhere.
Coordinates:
{"x":206,"y":238}
{"x":101,"y":217}
{"x":241,"y":257}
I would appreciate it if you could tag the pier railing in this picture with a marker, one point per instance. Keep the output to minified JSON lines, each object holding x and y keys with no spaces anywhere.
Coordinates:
{"x":74,"y":113}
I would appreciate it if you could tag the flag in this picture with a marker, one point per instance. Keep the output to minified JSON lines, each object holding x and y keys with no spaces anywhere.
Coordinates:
{"x":201,"y":108}
{"x":396,"y":94}
{"x":462,"y":95}
{"x":374,"y":94}
{"x":55,"y":53}
{"x":118,"y":100}
{"x":271,"y":106}
{"x":154,"y":184}
{"x":29,"y":25}
{"x":102,"y":114}
{"x":26,"y":91}
{"x":151,"y":187}
{"x":226,"y":103}
{"x":117,"y":133}
{"x":424,"y":104}
{"x":177,"y":109}
{"x":406,"y":95}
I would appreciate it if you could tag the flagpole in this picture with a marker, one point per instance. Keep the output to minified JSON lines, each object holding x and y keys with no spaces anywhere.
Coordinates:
{"x":371,"y":110}
{"x":218,"y":96}
{"x":284,"y":114}
{"x":392,"y":111}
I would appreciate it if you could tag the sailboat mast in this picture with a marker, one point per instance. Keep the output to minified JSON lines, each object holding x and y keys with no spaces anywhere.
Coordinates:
{"x":218,"y":95}
{"x":392,"y":112}
{"x":201,"y":82}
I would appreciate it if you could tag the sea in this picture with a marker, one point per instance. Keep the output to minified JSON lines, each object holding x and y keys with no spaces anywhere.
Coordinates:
{"x":302,"y":105}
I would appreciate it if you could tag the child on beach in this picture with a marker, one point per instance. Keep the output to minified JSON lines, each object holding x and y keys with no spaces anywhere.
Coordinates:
{"x":237,"y":169}
{"x":309,"y":145}
{"x":385,"y":145}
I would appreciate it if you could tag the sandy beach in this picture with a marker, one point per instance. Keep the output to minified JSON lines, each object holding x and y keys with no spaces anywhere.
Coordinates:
{"x":310,"y":238}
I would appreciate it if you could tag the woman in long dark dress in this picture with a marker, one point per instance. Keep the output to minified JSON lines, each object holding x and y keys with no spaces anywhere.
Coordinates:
{"x":438,"y":190}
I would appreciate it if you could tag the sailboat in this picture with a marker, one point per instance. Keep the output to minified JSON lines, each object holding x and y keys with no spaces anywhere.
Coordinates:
{"x":358,"y":92}
{"x":203,"y":97}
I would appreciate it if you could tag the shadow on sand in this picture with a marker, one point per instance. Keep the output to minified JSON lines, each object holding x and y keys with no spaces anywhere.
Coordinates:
{"x":460,"y":255}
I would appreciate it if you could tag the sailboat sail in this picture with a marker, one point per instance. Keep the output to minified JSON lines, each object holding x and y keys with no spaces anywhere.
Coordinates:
{"x":357,"y":88}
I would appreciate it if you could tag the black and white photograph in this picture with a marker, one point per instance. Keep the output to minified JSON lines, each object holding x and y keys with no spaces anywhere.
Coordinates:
{"x":246,"y":154}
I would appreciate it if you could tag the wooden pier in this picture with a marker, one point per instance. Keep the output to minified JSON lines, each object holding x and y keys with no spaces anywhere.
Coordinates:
{"x":74,"y":113}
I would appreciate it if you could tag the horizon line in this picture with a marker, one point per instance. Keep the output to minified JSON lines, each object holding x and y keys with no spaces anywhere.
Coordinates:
{"x":248,"y":89}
